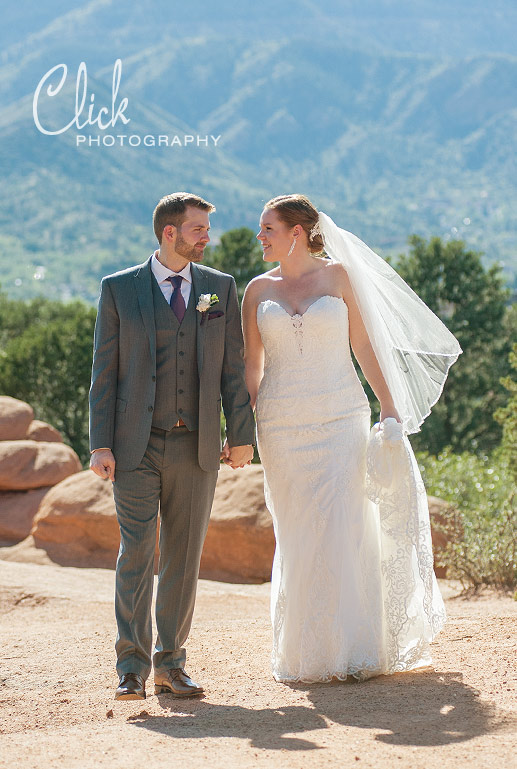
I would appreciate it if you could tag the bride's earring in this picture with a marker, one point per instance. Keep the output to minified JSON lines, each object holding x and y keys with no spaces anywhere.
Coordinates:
{"x":292,"y":247}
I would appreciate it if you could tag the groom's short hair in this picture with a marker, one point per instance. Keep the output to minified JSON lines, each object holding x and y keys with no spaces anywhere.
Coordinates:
{"x":171,"y":209}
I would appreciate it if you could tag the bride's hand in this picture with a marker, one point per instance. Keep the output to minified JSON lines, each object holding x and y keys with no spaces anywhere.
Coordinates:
{"x":387,"y":412}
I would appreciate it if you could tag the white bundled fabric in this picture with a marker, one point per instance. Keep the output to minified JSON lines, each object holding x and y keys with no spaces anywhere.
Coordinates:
{"x":413,"y":606}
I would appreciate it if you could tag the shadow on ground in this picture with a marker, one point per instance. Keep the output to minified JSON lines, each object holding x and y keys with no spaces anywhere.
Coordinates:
{"x":403,"y":709}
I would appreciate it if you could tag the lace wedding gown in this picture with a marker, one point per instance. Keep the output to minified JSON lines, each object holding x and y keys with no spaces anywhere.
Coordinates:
{"x":353,"y":590}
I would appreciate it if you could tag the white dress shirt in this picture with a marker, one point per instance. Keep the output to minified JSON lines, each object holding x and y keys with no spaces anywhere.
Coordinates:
{"x":161,"y":273}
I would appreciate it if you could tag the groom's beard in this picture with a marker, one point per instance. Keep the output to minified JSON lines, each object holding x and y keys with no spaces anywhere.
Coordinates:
{"x":184,"y":249}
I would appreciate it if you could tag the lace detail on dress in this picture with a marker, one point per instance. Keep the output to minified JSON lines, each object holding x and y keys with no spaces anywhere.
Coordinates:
{"x":353,"y":590}
{"x":297,"y":322}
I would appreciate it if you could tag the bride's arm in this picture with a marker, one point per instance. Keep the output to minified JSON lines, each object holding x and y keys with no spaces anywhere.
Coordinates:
{"x":253,"y":347}
{"x":364,"y":352}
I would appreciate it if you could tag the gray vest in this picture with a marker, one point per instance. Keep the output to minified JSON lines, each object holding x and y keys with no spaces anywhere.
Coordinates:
{"x":177,"y":380}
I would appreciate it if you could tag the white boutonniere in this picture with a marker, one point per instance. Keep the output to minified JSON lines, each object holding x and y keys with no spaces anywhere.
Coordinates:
{"x":204,"y":303}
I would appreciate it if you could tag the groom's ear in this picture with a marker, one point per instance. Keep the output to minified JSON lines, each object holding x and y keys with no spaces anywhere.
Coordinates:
{"x":168,"y":232}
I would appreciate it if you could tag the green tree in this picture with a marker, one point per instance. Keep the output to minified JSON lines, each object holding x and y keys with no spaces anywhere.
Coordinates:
{"x":507,"y":417}
{"x":46,"y":358}
{"x":471,"y":301}
{"x":239,"y":254}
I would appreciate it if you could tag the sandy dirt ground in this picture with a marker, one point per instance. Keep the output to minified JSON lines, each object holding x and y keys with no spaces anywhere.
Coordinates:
{"x":57,"y":682}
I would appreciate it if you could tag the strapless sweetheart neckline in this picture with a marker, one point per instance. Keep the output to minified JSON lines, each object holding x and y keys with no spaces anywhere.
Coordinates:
{"x":301,"y":314}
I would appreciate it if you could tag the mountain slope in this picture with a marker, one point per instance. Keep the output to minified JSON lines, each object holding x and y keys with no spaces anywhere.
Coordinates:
{"x":389,"y":138}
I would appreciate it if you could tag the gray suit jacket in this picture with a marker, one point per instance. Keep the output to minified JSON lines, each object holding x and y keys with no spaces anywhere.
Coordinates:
{"x":124,"y":367}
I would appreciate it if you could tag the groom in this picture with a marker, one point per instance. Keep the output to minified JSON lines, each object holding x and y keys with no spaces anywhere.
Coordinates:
{"x":163,"y":361}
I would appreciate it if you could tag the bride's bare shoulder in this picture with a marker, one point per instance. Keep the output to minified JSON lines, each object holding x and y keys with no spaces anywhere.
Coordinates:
{"x":338,"y":272}
{"x":260,"y":284}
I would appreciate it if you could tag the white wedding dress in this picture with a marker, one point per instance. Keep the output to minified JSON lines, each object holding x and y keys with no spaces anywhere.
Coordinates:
{"x":353,"y":589}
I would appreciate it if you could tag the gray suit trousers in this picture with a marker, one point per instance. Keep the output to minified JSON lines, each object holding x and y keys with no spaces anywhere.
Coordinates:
{"x":168,"y":477}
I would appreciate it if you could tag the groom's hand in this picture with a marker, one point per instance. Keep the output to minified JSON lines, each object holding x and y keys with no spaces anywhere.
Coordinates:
{"x":239,"y":456}
{"x":225,"y":453}
{"x":102,"y":462}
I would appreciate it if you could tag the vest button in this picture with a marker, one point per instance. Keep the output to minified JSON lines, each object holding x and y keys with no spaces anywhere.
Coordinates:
{"x":149,"y":408}
{"x":154,"y":378}
{"x":180,"y":392}
{"x":180,"y":411}
{"x":181,"y":352}
{"x":181,"y":333}
{"x":181,"y":371}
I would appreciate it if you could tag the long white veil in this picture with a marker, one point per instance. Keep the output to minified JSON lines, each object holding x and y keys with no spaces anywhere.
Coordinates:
{"x":413,"y":347}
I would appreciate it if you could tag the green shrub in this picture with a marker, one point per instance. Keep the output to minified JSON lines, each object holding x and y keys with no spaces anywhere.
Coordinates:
{"x":481,"y":522}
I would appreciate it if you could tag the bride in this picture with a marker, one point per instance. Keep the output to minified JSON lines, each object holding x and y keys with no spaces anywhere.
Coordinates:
{"x":353,"y":588}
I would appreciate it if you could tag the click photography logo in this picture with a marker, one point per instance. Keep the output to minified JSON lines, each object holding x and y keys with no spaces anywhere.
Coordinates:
{"x":97,"y":126}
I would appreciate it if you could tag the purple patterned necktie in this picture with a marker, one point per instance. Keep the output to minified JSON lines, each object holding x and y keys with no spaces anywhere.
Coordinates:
{"x":177,"y":302}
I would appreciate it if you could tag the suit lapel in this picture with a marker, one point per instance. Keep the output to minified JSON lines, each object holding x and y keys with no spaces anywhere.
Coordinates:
{"x":199,"y":286}
{"x":144,"y":290}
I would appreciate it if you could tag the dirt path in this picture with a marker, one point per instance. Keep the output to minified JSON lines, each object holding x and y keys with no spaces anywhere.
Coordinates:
{"x":57,"y":683}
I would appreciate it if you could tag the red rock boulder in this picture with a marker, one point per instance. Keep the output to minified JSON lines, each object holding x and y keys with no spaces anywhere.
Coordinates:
{"x":240,"y":542}
{"x":15,"y":418}
{"x":76,"y":523}
{"x":32,"y":464}
{"x":437,"y":509}
{"x":17,"y":511}
{"x":41,"y":431}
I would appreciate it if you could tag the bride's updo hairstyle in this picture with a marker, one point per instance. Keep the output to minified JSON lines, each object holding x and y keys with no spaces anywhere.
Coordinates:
{"x":297,"y":209}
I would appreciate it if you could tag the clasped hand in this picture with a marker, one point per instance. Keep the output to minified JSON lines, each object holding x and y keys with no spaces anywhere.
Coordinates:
{"x":102,"y":462}
{"x":236,"y":456}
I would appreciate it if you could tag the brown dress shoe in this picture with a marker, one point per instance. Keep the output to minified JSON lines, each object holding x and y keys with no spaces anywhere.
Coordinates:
{"x":177,"y":682}
{"x":131,"y":687}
